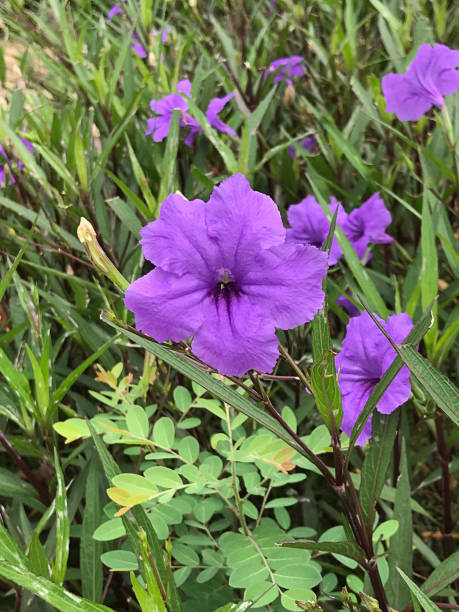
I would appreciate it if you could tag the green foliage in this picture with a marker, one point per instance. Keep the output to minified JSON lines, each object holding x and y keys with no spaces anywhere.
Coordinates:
{"x":130,"y":472}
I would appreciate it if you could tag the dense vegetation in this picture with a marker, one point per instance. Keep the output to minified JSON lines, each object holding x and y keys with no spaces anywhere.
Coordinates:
{"x":132,"y":475}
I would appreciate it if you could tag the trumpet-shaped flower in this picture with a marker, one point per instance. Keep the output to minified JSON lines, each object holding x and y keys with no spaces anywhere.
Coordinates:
{"x":367,"y":224}
{"x":311,"y":226}
{"x":225,"y":273}
{"x":215,"y":106}
{"x":430,"y":76}
{"x":364,"y":358}
{"x":159,"y":126}
{"x":285,"y":68}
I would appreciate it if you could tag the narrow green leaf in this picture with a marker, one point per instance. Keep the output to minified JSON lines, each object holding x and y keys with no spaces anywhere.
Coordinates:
{"x":384,"y":428}
{"x":401,"y":547}
{"x":168,"y":169}
{"x":12,"y":269}
{"x":427,"y":605}
{"x":443,"y":575}
{"x":62,"y":525}
{"x":10,"y":551}
{"x":91,"y":549}
{"x":49,"y":591}
{"x":41,"y":385}
{"x":429,"y":268}
{"x":37,"y":557}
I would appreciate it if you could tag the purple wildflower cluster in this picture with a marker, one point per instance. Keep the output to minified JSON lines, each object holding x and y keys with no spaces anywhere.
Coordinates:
{"x":159,"y":125}
{"x":225,"y":273}
{"x":8,"y":163}
{"x":430,"y":76}
{"x":363,"y":226}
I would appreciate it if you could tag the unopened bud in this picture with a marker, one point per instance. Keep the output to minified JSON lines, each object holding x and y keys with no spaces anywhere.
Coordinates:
{"x":87,"y":237}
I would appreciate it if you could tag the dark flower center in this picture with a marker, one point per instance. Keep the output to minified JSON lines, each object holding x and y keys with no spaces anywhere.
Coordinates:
{"x":226,"y":287}
{"x":357,"y":228}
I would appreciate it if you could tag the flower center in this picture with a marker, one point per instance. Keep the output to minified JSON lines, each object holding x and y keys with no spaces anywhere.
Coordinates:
{"x":226,"y":286}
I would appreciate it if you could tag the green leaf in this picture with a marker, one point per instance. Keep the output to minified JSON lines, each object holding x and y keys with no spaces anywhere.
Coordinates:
{"x":10,"y":551}
{"x":41,"y":385}
{"x":137,"y":421}
{"x":427,"y":605}
{"x":188,"y":448}
{"x":347,"y":549}
{"x":11,"y":270}
{"x":429,"y":267}
{"x":163,"y":477}
{"x":90,"y":548}
{"x":384,"y":428}
{"x":120,"y":560}
{"x":62,"y":525}
{"x":135,"y":484}
{"x":110,"y":530}
{"x":164,"y":432}
{"x":37,"y":557}
{"x":185,"y":554}
{"x":401,"y":547}
{"x":49,"y":591}
{"x":444,"y":574}
{"x":168,"y":171}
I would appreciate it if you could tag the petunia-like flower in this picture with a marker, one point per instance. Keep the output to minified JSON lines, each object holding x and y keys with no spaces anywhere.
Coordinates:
{"x":225,"y":273}
{"x":430,"y":76}
{"x":11,"y":180}
{"x":137,"y":46}
{"x":311,"y":226}
{"x":349,"y":306}
{"x":115,"y":10}
{"x":307,"y":143}
{"x":364,"y":358}
{"x":285,"y":68}
{"x":367,"y":224}
{"x":215,"y":106}
{"x":159,"y":126}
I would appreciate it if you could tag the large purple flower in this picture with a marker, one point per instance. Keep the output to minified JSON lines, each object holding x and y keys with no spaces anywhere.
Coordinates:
{"x":364,"y":358}
{"x":159,"y":126}
{"x":430,"y":76}
{"x":285,"y":68}
{"x":311,"y":226}
{"x":225,"y":274}
{"x":215,"y":106}
{"x":367,"y":224}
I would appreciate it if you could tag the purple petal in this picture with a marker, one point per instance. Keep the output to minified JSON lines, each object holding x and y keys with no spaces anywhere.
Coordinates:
{"x":286,"y":67}
{"x":177,"y":241}
{"x":349,"y":306}
{"x":184,"y":86}
{"x":246,"y":338}
{"x":286,"y":283}
{"x":115,"y":10}
{"x":242,"y":220}
{"x":139,"y":50}
{"x":167,"y":306}
{"x":215,"y":106}
{"x":431,"y":75}
{"x":28,"y":145}
{"x":367,"y":224}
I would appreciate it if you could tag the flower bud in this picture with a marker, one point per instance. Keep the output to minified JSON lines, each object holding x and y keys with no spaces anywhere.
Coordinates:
{"x":87,"y":237}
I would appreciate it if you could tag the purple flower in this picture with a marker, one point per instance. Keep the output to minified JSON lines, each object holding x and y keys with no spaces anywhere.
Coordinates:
{"x":364,"y":358}
{"x":225,"y":274}
{"x":164,"y":32}
{"x":285,"y":68}
{"x":311,"y":226}
{"x":367,"y":224}
{"x":115,"y":10}
{"x":20,"y":165}
{"x":307,"y":143}
{"x":159,"y":126}
{"x":349,"y":306}
{"x":215,"y":106}
{"x":430,"y":76}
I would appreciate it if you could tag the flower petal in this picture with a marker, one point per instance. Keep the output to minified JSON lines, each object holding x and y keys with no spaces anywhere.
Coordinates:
{"x":408,"y":104}
{"x":286,"y":283}
{"x":215,"y":106}
{"x":178,"y":241}
{"x":236,"y":337}
{"x":242,"y":220}
{"x":167,"y":306}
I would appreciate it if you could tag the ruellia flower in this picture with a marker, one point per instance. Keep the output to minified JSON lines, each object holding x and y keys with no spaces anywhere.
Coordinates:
{"x":307,"y":143}
{"x":311,"y":226}
{"x":364,"y":358}
{"x":8,"y":164}
{"x":225,"y":274}
{"x":115,"y":10}
{"x":430,"y":76}
{"x":367,"y":224}
{"x":159,"y":126}
{"x":285,"y":68}
{"x":137,"y":46}
{"x":215,"y":106}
